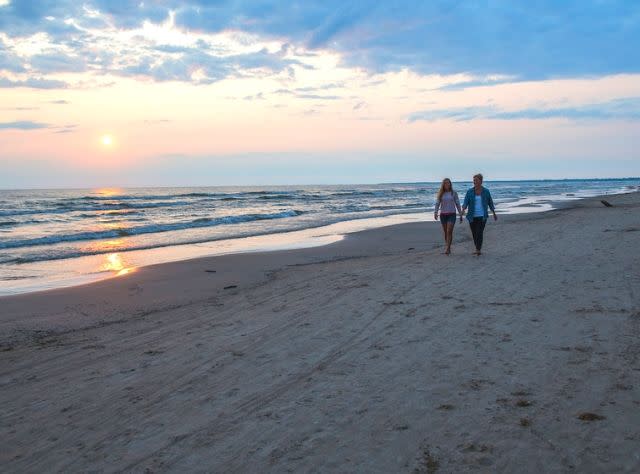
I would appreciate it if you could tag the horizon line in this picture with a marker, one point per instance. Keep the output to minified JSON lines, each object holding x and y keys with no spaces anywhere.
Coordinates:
{"x":71,"y":188}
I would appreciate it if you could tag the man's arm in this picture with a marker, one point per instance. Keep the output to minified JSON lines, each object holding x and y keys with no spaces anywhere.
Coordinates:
{"x":492,"y":206}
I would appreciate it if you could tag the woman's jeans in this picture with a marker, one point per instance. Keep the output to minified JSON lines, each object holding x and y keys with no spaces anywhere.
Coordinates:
{"x":477,"y":229}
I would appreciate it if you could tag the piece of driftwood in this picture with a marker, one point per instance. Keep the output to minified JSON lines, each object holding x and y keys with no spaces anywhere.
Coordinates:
{"x":606,"y":203}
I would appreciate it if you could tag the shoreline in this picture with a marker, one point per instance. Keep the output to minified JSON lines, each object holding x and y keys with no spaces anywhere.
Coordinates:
{"x":372,"y":354}
{"x":103,"y":266}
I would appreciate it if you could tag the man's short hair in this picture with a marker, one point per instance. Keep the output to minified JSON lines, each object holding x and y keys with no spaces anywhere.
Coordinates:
{"x":479,"y":176}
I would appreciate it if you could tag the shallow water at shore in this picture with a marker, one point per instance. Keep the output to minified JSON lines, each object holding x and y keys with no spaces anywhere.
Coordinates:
{"x":54,"y":238}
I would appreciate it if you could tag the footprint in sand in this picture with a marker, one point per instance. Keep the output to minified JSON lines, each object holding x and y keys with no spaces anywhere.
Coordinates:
{"x":587,"y":416}
{"x":446,"y":406}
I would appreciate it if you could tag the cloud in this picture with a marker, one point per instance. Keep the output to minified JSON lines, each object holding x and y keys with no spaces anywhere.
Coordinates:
{"x":323,"y":87}
{"x":70,"y":127}
{"x":9,"y":61}
{"x":20,"y":109}
{"x":32,"y":125}
{"x":33,"y":83}
{"x":157,"y":121}
{"x":346,"y":16}
{"x":57,"y":62}
{"x":480,"y":82}
{"x":627,"y":108}
{"x":22,"y":125}
{"x":308,"y":92}
{"x":199,"y":66}
{"x":521,"y":40}
{"x":258,"y":96}
{"x":360,"y":105}
{"x":531,"y":41}
{"x":318,"y":97}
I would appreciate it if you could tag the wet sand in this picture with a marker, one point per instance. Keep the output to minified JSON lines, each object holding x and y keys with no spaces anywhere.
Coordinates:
{"x":374,"y":354}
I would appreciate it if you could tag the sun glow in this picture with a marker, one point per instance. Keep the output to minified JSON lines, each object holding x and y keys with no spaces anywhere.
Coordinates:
{"x":106,"y":140}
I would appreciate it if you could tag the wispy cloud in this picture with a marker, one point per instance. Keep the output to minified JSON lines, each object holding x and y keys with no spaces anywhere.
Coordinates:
{"x":318,"y":97}
{"x":258,"y":96}
{"x":360,"y":105}
{"x":23,"y":125}
{"x":33,"y":83}
{"x":619,"y":109}
{"x":20,"y":109}
{"x":69,"y":128}
{"x":480,"y":82}
{"x":157,"y":121}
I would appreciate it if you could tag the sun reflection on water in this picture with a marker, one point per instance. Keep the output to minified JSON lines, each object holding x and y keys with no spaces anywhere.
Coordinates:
{"x":108,"y":192}
{"x":114,"y":263}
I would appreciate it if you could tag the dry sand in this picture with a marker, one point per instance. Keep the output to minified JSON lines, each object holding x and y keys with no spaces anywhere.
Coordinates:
{"x":361,"y":356}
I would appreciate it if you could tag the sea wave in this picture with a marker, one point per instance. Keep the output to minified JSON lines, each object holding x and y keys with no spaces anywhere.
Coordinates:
{"x":145,"y":229}
{"x":46,"y":253}
{"x":156,"y":197}
{"x":70,"y":207}
{"x":148,"y":197}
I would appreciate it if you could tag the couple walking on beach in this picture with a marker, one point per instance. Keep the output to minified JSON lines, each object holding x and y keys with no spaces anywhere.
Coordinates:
{"x":478,"y":200}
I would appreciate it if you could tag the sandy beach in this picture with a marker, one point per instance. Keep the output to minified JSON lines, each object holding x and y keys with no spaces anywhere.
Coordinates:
{"x":373,"y":354}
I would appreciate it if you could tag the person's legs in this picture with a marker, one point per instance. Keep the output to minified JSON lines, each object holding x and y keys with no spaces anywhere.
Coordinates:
{"x":450,"y":226}
{"x":480,"y":223}
{"x":472,"y":225}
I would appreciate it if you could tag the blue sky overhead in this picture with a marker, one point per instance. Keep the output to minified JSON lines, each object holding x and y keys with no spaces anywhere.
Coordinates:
{"x":318,"y":91}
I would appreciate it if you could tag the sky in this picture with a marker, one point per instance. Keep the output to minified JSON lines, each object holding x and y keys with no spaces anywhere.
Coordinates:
{"x":192,"y":93}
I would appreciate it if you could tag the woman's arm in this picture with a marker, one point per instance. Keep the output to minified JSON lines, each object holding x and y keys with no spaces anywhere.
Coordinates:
{"x":460,"y":211}
{"x":456,"y":199}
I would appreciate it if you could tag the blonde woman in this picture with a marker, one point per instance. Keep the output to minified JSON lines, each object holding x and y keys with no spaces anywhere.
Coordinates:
{"x":447,"y":202}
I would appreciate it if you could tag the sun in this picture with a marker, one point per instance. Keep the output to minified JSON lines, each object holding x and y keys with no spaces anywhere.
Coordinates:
{"x":106,"y":140}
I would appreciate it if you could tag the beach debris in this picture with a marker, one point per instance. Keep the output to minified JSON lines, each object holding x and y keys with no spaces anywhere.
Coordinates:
{"x":586,"y":416}
{"x":525,"y":422}
{"x":153,"y":352}
{"x":445,"y":406}
{"x":411,"y":248}
{"x":230,"y":287}
{"x":606,"y":203}
{"x":523,"y":403}
{"x":210,"y":271}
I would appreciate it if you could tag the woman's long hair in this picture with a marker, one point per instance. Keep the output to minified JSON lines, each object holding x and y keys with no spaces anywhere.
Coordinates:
{"x":442,"y":190}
